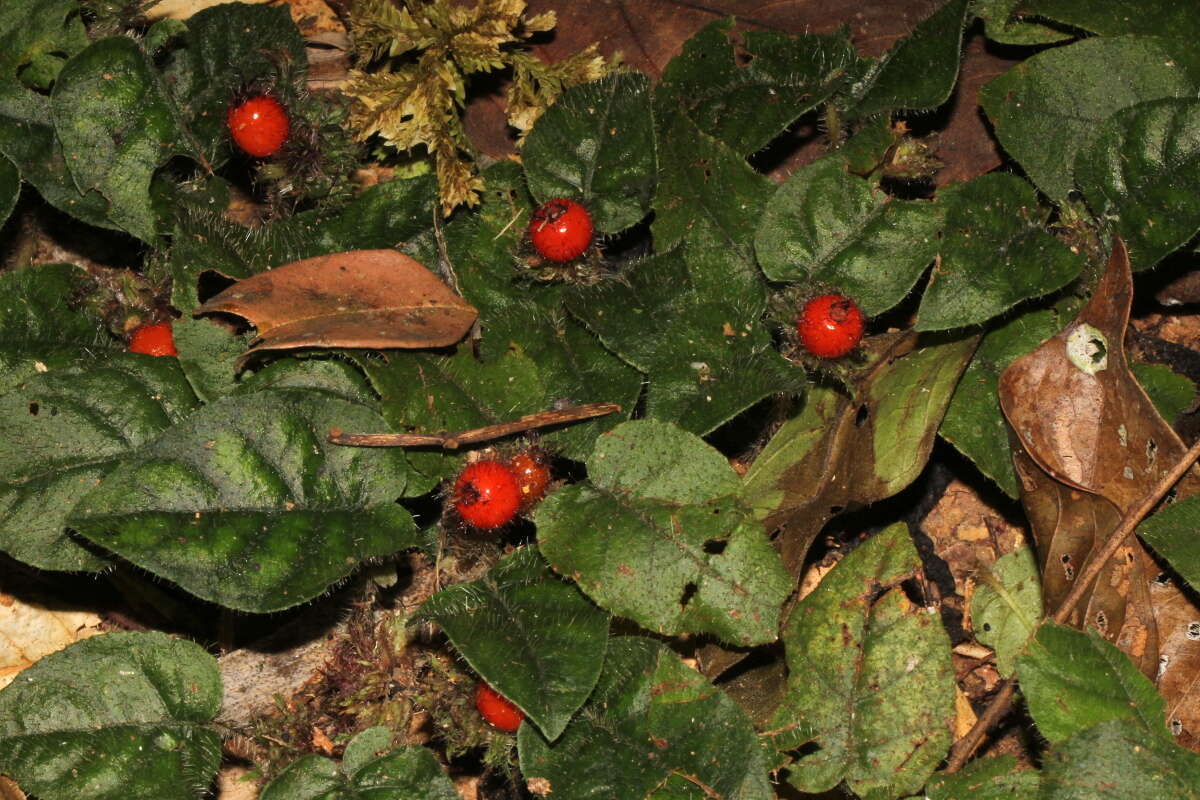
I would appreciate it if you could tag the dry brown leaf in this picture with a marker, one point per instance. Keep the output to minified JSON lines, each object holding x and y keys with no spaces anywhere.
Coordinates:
{"x":236,"y":783}
{"x":362,"y":298}
{"x":29,"y":631}
{"x":9,"y":790}
{"x":1090,"y":445}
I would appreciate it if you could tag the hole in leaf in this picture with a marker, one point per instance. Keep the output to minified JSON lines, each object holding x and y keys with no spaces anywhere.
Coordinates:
{"x":987,"y":627}
{"x":861,"y":416}
{"x":1102,"y":622}
{"x":1151,"y":452}
{"x":689,"y":592}
{"x":1097,"y":349}
{"x":836,"y":509}
{"x":715,"y":546}
{"x":1176,"y":726}
{"x":1162,"y":579}
{"x":1193,"y":631}
{"x":53,"y":411}
{"x":33,"y":409}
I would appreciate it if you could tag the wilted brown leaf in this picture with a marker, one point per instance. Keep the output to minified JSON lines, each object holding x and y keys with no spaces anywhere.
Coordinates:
{"x":30,"y":630}
{"x":1090,"y":445}
{"x":363,"y":298}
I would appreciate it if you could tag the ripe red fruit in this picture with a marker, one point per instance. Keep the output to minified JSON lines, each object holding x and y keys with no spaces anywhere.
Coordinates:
{"x":496,"y":709}
{"x":154,"y":339}
{"x":259,"y":125}
{"x":830,"y":326}
{"x":561,"y":229}
{"x":486,"y":494}
{"x":533,"y":475}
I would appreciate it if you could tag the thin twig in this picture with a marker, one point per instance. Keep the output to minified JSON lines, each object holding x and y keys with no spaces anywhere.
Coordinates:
{"x":452,"y":441}
{"x":999,"y":704}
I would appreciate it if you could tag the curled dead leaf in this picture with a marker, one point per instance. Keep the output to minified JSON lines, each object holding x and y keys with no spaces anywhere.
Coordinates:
{"x":363,"y":298}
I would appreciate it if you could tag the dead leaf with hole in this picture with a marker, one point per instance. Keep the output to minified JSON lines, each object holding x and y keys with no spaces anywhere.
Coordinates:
{"x":1089,"y":446}
{"x":375,"y":299}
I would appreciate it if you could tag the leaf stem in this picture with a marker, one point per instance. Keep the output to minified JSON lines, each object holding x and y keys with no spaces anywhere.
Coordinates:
{"x":999,"y":704}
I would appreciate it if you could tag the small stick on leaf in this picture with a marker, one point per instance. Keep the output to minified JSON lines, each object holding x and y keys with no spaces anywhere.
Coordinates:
{"x":452,"y":441}
{"x":964,"y":747}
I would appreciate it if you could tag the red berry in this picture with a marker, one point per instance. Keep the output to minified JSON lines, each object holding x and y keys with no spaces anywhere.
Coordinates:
{"x":830,"y":325}
{"x":154,"y":339}
{"x":561,"y":229}
{"x":259,"y":125}
{"x":486,"y":494}
{"x":496,"y":709}
{"x":533,"y":475}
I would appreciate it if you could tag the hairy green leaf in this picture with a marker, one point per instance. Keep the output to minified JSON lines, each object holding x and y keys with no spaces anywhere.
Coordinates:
{"x":596,"y":145}
{"x":667,"y":546}
{"x":974,"y":423}
{"x":826,"y":225}
{"x":117,"y":126}
{"x":1172,"y":393}
{"x":1073,"y":680}
{"x":994,"y":255}
{"x":1172,"y":534}
{"x":707,"y":362}
{"x":208,"y":354}
{"x":409,"y":773}
{"x":920,"y":70}
{"x":663,"y":729}
{"x":40,"y":35}
{"x":1007,"y":606}
{"x":746,"y":94}
{"x":533,"y":637}
{"x":870,"y":680}
{"x":1049,"y":107}
{"x":10,"y":187}
{"x":61,"y":432}
{"x":1116,"y":17}
{"x":1007,"y":23}
{"x":985,"y":779}
{"x":246,"y":504}
{"x":1140,"y":172}
{"x":1118,"y":761}
{"x":116,"y":717}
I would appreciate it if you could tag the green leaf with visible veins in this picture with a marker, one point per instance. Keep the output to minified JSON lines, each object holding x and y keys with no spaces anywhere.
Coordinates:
{"x":825,"y":225}
{"x":920,"y":70}
{"x":1007,"y":606}
{"x":1116,"y":17}
{"x":994,"y":778}
{"x":709,"y":198}
{"x":995,"y":253}
{"x":1050,"y":106}
{"x":38,"y":329}
{"x":246,"y":504}
{"x":596,"y":145}
{"x":61,"y":432}
{"x":121,"y":716}
{"x":10,"y":187}
{"x":663,"y":731}
{"x":747,"y":94}
{"x":657,"y":535}
{"x":531,"y":635}
{"x":1141,"y":171}
{"x":117,"y":126}
{"x":870,"y":679}
{"x":38,"y":35}
{"x":409,"y":773}
{"x":1172,"y":534}
{"x":974,"y":423}
{"x":1073,"y":680}
{"x":1118,"y":761}
{"x":706,"y":360}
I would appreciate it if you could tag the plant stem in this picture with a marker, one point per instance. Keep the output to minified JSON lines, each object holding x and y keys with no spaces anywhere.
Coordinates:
{"x":999,"y":704}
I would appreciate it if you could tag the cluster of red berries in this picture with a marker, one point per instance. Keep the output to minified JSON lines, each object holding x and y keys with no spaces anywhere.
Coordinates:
{"x":830,"y":326}
{"x":490,"y":493}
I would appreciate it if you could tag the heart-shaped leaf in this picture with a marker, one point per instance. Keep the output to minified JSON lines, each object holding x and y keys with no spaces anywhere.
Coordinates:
{"x":362,"y":298}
